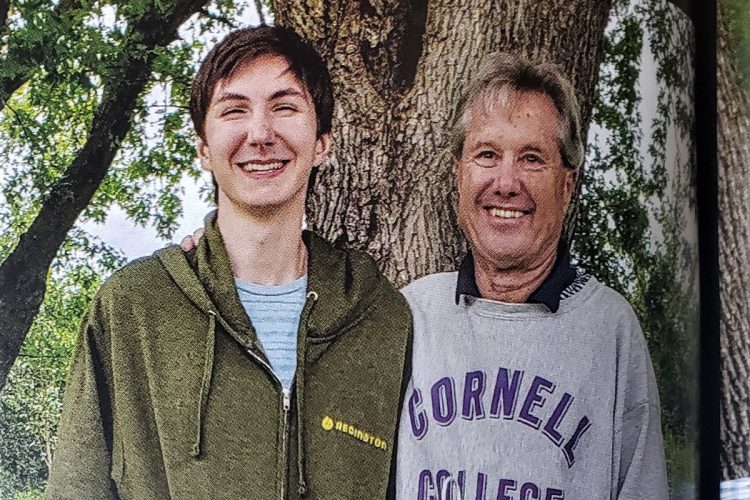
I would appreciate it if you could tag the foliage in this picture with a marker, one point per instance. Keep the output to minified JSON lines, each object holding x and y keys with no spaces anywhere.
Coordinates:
{"x":31,"y":401}
{"x":738,"y":12}
{"x":637,"y":201}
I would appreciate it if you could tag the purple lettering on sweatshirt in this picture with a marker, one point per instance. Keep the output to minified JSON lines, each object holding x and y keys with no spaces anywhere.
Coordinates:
{"x":481,"y":487}
{"x":474,"y":384}
{"x":444,"y":401}
{"x":529,"y":491}
{"x":570,"y":446}
{"x":441,"y":476}
{"x":505,"y":488}
{"x":505,"y":394}
{"x":554,"y":494}
{"x":426,"y":486}
{"x":418,"y":418}
{"x":535,"y":400}
{"x":550,"y":428}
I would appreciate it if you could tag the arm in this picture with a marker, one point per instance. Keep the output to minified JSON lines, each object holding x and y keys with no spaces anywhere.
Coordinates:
{"x":83,"y":457}
{"x":642,"y":470}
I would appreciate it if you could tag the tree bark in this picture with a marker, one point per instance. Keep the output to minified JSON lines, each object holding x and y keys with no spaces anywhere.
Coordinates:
{"x":398,"y":69}
{"x":4,"y":10}
{"x":734,"y":256}
{"x":23,"y":274}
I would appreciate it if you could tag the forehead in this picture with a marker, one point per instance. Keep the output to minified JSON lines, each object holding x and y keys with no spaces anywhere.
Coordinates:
{"x":512,"y":115}
{"x":260,"y":78}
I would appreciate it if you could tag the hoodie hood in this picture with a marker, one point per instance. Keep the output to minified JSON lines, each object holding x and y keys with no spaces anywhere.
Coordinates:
{"x":343,"y":284}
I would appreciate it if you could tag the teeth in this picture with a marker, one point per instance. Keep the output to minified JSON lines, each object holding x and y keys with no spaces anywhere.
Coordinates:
{"x":505,"y":214}
{"x":261,"y":167}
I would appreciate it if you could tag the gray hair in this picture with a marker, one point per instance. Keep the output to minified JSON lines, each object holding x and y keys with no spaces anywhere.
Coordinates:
{"x":503,"y":71}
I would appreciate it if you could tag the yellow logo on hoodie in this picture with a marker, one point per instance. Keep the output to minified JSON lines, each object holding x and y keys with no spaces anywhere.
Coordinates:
{"x":329,"y":424}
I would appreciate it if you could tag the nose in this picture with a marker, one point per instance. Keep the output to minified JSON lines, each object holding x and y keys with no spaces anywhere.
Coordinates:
{"x":260,"y":130}
{"x":506,"y":180}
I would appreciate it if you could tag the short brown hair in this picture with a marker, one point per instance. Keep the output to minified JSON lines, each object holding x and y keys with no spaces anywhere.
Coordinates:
{"x":247,"y":44}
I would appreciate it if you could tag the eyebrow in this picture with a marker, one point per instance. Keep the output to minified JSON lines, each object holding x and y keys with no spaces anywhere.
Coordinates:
{"x":531,"y":147}
{"x":288,"y":92}
{"x":231,"y":96}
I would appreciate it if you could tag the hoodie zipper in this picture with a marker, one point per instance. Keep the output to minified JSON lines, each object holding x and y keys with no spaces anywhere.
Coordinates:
{"x":284,"y":421}
{"x":286,"y":397}
{"x":285,"y":440}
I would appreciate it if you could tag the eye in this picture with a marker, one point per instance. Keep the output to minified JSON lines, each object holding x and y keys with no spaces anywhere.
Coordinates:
{"x":532,"y":158}
{"x":486,"y":158}
{"x":285,"y":109}
{"x":234,"y":110}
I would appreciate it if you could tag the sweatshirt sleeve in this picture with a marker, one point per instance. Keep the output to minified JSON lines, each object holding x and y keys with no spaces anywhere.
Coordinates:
{"x":82,"y":461}
{"x":642,"y":468}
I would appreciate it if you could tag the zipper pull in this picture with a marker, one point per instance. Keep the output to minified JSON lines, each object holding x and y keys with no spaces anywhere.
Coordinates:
{"x":287,"y":398}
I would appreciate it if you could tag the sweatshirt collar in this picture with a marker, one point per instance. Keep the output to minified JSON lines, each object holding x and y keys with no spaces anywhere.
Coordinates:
{"x":548,"y":293}
{"x":343,"y":284}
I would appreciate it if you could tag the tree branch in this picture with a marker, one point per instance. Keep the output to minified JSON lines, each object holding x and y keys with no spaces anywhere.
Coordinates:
{"x":259,"y":10}
{"x":23,"y":274}
{"x":30,"y":133}
{"x":220,"y":19}
{"x":4,"y":9}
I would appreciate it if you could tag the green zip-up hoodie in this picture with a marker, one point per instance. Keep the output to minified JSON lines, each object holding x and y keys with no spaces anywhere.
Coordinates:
{"x":171,"y":396}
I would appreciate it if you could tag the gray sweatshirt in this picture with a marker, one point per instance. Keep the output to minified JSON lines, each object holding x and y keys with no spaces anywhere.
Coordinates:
{"x":512,"y":401}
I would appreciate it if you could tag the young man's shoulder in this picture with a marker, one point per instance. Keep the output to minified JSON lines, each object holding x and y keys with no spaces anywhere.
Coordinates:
{"x":141,"y":277}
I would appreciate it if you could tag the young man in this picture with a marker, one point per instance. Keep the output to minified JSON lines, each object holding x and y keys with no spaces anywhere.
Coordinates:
{"x":530,"y":379}
{"x":262,"y":364}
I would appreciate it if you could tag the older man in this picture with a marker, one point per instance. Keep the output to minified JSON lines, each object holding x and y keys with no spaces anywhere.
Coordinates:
{"x":530,"y":379}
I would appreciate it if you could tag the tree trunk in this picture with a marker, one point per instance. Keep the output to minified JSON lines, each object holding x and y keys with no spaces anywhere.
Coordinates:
{"x":4,"y":9}
{"x":24,"y":272}
{"x":398,"y":69}
{"x":734,"y":256}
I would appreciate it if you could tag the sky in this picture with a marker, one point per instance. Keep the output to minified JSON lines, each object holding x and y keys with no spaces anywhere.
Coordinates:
{"x":136,"y":241}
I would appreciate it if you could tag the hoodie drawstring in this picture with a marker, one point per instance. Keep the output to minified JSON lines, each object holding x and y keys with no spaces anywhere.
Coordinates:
{"x":208,"y":369}
{"x":300,"y":387}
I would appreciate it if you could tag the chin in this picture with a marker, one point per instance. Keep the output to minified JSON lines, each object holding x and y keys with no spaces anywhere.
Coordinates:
{"x":501,"y":258}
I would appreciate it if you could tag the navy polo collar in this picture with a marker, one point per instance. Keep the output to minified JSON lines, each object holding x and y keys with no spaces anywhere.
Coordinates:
{"x":562,"y":275}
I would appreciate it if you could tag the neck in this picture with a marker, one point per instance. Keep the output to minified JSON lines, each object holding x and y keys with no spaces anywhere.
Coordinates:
{"x":263,"y":249}
{"x":513,"y":285}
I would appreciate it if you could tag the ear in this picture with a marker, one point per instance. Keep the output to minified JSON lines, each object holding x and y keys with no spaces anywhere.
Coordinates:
{"x":454,"y":168}
{"x":322,"y":147}
{"x":202,"y":149}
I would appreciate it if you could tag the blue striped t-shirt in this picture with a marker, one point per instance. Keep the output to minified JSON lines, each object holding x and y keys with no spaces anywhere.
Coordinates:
{"x":275,"y":312}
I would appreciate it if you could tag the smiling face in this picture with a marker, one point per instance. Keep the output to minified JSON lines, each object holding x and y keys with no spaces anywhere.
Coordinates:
{"x":260,"y":138}
{"x":513,"y":188}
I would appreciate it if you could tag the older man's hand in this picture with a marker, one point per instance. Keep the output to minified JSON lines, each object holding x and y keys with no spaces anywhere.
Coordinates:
{"x":191,"y":241}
